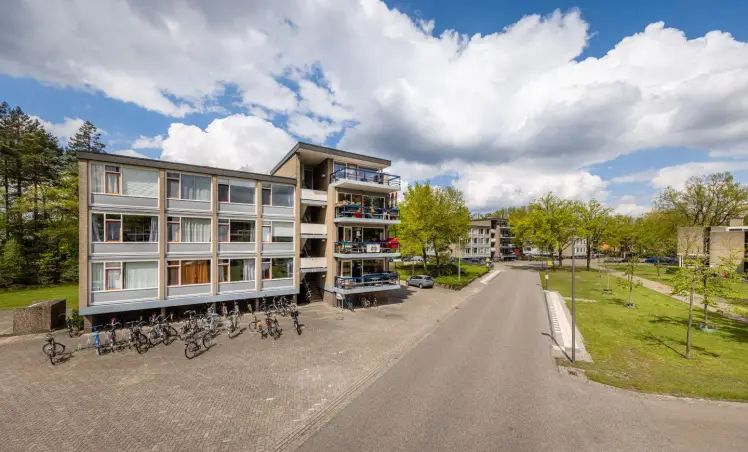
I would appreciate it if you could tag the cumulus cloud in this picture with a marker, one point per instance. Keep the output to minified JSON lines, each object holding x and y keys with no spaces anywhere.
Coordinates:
{"x":62,"y":130}
{"x":396,"y":89}
{"x":144,"y":142}
{"x":237,"y":141}
{"x":677,"y":175}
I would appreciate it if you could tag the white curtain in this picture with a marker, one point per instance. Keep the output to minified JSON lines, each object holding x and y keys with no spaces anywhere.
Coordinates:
{"x":196,"y":188}
{"x":195,"y":230}
{"x":97,"y":227}
{"x":141,"y":275}
{"x":97,"y":178}
{"x":113,"y":279}
{"x":97,"y":276}
{"x":282,"y":231}
{"x":138,"y":182}
{"x":154,"y":230}
{"x":248,"y":270}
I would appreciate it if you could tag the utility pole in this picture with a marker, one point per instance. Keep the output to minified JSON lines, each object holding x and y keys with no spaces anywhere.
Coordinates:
{"x":573,"y":302}
{"x":459,"y":261}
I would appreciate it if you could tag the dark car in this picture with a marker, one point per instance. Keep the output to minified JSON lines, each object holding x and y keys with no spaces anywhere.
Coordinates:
{"x":420,"y":280}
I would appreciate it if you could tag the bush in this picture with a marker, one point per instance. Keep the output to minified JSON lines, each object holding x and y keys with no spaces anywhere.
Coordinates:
{"x":77,"y":319}
{"x":671,"y":270}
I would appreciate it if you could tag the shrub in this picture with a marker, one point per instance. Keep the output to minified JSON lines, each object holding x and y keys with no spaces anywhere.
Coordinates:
{"x":671,"y":270}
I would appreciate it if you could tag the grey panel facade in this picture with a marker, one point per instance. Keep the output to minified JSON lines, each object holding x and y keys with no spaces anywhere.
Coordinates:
{"x":276,"y":248}
{"x":274,"y":211}
{"x":123,"y":296}
{"x":123,"y":201}
{"x":236,"y":286}
{"x":237,"y":248}
{"x":187,"y":205}
{"x":277,"y":283}
{"x":186,"y":291}
{"x":188,"y":248}
{"x":124,"y":249}
{"x":230,"y":208}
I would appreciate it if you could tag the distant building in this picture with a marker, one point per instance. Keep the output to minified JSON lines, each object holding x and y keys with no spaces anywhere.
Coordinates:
{"x":489,"y":238}
{"x":715,"y":243}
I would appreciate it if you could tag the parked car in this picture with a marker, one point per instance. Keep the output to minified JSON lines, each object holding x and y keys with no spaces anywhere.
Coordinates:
{"x":421,"y":281}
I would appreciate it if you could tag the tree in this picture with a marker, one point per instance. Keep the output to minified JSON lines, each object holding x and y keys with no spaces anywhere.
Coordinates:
{"x":418,"y":202}
{"x":549,"y":224}
{"x":658,"y":234}
{"x":630,"y":281}
{"x":86,"y":139}
{"x":594,"y":221}
{"x":709,"y":200}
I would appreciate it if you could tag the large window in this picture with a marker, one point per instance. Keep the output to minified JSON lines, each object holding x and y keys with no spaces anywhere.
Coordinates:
{"x":278,"y":195}
{"x":236,"y":191}
{"x":124,"y":275}
{"x":282,"y":231}
{"x":235,"y":270}
{"x":277,"y":268}
{"x":123,"y":228}
{"x":242,"y":231}
{"x":195,"y":230}
{"x":186,"y":186}
{"x":112,"y":179}
{"x":129,"y":181}
{"x":105,"y":179}
{"x":187,"y":272}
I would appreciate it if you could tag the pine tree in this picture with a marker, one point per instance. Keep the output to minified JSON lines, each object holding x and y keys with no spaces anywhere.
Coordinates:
{"x":86,"y":139}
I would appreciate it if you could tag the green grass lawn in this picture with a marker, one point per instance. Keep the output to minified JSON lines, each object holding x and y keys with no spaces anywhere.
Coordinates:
{"x":649,"y":271}
{"x":642,"y":348}
{"x":10,"y":299}
{"x":449,"y":273}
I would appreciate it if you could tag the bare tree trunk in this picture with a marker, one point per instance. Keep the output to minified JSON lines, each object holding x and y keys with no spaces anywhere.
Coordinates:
{"x":657,"y":266}
{"x":706,"y":309}
{"x":690,"y":322}
{"x":6,"y":194}
{"x":560,"y":257}
{"x":589,"y":252}
{"x":631,"y":288}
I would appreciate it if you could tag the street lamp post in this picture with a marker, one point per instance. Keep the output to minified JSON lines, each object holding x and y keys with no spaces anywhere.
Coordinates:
{"x":459,"y":261}
{"x":573,"y":303}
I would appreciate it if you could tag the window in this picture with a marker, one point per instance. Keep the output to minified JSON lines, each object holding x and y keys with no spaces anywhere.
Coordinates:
{"x":189,"y":187}
{"x":223,"y":190}
{"x":97,"y":178}
{"x":97,"y":276}
{"x":373,"y":266}
{"x":277,"y":268}
{"x":266,"y":195}
{"x":223,"y":229}
{"x":137,"y":228}
{"x":242,"y":231}
{"x":195,"y":230}
{"x":267,"y":231}
{"x":113,"y":275}
{"x":172,"y":185}
{"x":236,"y":270}
{"x":282,"y":231}
{"x":187,"y":272}
{"x":112,"y":179}
{"x":113,"y":224}
{"x":141,"y":275}
{"x":139,"y":182}
{"x":236,"y":191}
{"x":173,"y":229}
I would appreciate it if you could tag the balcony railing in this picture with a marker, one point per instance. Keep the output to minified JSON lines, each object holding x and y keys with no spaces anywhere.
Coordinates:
{"x":366,"y":281}
{"x":366,"y":247}
{"x":364,"y":175}
{"x":370,"y":212}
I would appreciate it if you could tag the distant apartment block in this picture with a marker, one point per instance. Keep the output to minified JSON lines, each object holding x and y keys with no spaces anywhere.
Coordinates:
{"x":489,"y":238}
{"x":717,"y":244}
{"x":158,"y":234}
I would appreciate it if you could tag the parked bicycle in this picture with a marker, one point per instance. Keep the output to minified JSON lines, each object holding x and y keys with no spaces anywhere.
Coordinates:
{"x":273,"y":327}
{"x":52,"y":348}
{"x":196,"y":341}
{"x":111,"y":329}
{"x":189,"y":326}
{"x":74,"y":327}
{"x":159,"y":333}
{"x":295,"y":317}
{"x":367,"y":301}
{"x":282,"y":305}
{"x":345,"y":302}
{"x":234,"y":317}
{"x":136,"y":338}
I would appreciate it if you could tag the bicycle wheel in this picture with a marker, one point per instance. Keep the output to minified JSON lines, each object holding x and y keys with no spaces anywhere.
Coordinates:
{"x":190,"y":349}
{"x":70,"y":330}
{"x":168,"y":337}
{"x":47,"y":349}
{"x":141,"y":343}
{"x":171,"y":331}
{"x":51,"y":358}
{"x":207,"y":341}
{"x":298,"y":328}
{"x":252,"y":326}
{"x":154,"y":337}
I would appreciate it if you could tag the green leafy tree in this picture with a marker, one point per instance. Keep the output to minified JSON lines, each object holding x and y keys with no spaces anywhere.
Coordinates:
{"x":658,"y":235}
{"x":630,"y":281}
{"x":549,"y":224}
{"x":417,"y":205}
{"x":709,"y":200}
{"x":594,"y":222}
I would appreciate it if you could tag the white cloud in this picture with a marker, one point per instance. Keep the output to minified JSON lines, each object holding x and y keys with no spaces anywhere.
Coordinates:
{"x":520,"y":94}
{"x":632,"y":209}
{"x":234,"y":142}
{"x":62,"y":130}
{"x":640,"y":176}
{"x":677,"y":175}
{"x":144,"y":142}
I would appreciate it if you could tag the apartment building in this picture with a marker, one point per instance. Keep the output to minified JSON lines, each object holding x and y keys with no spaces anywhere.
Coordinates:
{"x":489,"y":238}
{"x":718,"y":244}
{"x":347,"y":204}
{"x":157,"y":234}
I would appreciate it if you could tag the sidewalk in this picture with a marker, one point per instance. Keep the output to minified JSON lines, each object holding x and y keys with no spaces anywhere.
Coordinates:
{"x":721,"y":307}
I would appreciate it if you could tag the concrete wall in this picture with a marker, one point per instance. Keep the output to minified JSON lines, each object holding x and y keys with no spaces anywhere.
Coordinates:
{"x":83,"y":237}
{"x":727,"y":248}
{"x":40,"y":317}
{"x":691,"y":241}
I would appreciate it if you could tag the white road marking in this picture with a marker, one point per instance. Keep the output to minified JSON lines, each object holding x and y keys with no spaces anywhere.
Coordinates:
{"x":490,"y":277}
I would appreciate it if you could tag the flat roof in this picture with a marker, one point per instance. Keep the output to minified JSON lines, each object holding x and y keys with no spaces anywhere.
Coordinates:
{"x":175,"y":166}
{"x":330,"y":151}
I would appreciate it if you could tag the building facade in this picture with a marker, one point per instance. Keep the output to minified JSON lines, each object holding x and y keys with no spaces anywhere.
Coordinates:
{"x":157,"y":234}
{"x":717,"y":244}
{"x":489,"y":238}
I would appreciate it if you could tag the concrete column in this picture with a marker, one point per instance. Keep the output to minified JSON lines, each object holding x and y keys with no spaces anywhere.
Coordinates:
{"x":297,"y":230}
{"x":83,"y":235}
{"x":258,"y":243}
{"x":163,"y":238}
{"x":214,"y":235}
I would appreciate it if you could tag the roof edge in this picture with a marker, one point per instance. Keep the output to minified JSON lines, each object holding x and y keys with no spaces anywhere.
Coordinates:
{"x":176,"y":166}
{"x":330,"y":151}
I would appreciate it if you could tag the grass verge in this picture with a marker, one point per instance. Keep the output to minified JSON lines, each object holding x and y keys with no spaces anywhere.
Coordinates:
{"x":10,"y":299}
{"x":448,"y":278}
{"x":642,"y":348}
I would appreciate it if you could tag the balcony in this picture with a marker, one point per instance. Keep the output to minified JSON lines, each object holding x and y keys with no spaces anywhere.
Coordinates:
{"x":313,"y":231}
{"x":355,"y":213}
{"x":375,"y":282}
{"x":367,"y":249}
{"x":363,"y":179}
{"x":313,"y":197}
{"x":313,"y":264}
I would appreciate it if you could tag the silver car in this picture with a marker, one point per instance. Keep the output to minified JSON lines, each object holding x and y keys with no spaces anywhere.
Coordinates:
{"x":420,"y":280}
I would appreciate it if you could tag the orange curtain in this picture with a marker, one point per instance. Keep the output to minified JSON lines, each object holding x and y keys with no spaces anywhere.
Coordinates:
{"x":195,"y":272}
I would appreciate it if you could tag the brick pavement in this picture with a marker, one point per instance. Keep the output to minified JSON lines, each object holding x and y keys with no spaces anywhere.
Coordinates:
{"x":244,"y":394}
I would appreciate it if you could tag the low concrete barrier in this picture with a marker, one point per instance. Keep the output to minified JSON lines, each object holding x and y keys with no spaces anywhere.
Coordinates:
{"x":39,"y":317}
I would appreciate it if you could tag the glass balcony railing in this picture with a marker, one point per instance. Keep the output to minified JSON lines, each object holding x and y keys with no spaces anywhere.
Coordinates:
{"x":366,"y":281}
{"x":366,"y":247}
{"x":367,"y":212}
{"x":364,"y":175}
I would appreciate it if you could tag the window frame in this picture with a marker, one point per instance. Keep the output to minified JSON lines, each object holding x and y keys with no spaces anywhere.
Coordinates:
{"x":107,"y":172}
{"x":271,"y":259}
{"x":179,"y":229}
{"x":226,"y":262}
{"x":169,"y":265}
{"x":106,"y":228}
{"x":270,"y":188}
{"x":179,"y":188}
{"x":107,"y":269}
{"x":227,"y":183}
{"x":121,"y":269}
{"x":179,"y":185}
{"x":119,"y":220}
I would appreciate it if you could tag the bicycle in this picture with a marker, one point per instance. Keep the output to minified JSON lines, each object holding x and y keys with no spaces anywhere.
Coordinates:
{"x":190,"y":325}
{"x":296,"y":324}
{"x":196,"y":341}
{"x":136,"y":337}
{"x":52,"y":348}
{"x":281,"y":305}
{"x":112,"y":328}
{"x":74,"y":328}
{"x":265,"y":307}
{"x":158,"y":333}
{"x":273,"y":327}
{"x":367,"y":302}
{"x":234,"y":317}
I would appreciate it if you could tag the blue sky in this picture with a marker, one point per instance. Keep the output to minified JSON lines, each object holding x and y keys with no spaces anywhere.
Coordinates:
{"x":553,"y":113}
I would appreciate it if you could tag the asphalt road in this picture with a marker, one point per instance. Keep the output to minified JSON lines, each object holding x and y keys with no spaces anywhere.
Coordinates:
{"x":485,"y":381}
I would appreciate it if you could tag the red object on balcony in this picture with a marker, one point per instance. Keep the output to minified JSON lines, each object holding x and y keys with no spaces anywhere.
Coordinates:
{"x":391,"y":243}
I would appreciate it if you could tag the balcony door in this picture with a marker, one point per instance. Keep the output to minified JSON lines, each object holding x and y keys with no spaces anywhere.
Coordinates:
{"x":357,"y":269}
{"x":345,"y":269}
{"x":308,"y":177}
{"x":347,"y":234}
